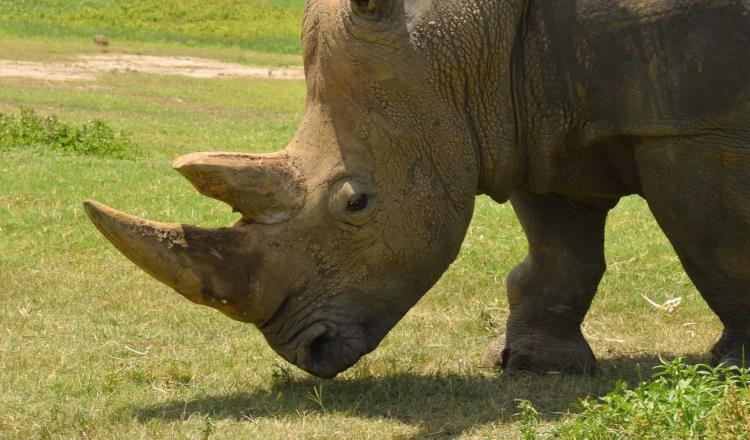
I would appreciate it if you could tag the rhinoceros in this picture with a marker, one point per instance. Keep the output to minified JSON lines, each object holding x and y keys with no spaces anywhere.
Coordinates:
{"x":413,"y":108}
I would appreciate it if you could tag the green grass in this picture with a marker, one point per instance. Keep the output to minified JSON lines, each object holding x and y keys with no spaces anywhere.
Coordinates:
{"x":683,"y":401}
{"x":47,"y":49}
{"x":258,"y":25}
{"x":91,"y":347}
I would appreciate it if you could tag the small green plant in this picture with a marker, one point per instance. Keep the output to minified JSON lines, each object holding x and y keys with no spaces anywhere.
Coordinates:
{"x":316,"y":396}
{"x":529,"y":420}
{"x":683,"y":401}
{"x":209,"y":427}
{"x":29,"y":130}
{"x":282,"y":374}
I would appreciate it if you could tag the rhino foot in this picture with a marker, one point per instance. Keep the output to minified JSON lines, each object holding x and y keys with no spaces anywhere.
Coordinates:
{"x":537,"y":355}
{"x":731,"y":351}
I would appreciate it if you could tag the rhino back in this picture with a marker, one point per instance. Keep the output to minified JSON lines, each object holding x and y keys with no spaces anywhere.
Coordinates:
{"x":646,"y":67}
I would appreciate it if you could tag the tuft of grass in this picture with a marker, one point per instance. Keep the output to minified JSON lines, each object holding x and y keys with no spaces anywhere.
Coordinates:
{"x":29,"y":130}
{"x":682,"y":401}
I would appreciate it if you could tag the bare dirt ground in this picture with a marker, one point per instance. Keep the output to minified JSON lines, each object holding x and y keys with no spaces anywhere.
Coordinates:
{"x":87,"y":67}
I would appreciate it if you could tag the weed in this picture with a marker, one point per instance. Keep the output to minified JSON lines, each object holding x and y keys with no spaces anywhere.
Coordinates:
{"x":529,"y":420}
{"x":316,"y":397}
{"x":209,"y":427}
{"x":29,"y":130}
{"x":282,"y":374}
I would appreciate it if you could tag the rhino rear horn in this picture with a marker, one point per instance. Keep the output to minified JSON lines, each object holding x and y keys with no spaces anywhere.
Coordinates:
{"x":265,"y":189}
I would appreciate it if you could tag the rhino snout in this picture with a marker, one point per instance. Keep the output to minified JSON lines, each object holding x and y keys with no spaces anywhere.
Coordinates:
{"x":325,"y":349}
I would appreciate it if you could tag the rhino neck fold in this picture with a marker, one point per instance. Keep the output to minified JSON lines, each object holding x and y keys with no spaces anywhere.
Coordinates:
{"x":492,"y":99}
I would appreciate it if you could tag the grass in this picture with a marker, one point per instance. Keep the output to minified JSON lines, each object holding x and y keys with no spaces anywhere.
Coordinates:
{"x":91,"y":347}
{"x":49,"y":49}
{"x":258,"y":25}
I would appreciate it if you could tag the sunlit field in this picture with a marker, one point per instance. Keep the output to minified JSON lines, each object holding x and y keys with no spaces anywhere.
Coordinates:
{"x":91,"y":347}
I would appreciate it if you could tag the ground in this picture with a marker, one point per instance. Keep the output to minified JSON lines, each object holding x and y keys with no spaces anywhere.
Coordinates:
{"x":86,"y":68}
{"x":92,"y":347}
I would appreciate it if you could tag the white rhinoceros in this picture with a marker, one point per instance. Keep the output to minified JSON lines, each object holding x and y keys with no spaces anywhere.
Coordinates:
{"x":416,"y":106}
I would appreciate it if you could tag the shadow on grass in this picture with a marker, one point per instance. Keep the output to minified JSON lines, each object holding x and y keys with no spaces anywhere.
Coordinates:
{"x":439,"y":405}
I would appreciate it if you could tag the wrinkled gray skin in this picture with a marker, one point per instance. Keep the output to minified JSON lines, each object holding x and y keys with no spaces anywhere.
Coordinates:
{"x":416,"y":106}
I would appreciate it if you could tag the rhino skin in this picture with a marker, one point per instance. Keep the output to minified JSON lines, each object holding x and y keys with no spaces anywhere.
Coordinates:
{"x":416,"y":106}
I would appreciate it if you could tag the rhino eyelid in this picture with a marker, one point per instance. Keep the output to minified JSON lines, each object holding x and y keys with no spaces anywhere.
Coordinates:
{"x":341,"y":177}
{"x":338,"y":179}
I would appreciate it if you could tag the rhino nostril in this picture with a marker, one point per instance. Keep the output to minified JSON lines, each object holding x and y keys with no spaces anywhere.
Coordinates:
{"x":312,"y":343}
{"x":319,"y":346}
{"x":317,"y":349}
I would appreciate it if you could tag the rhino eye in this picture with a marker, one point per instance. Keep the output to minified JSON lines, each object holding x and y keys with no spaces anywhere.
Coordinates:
{"x":357,"y":203}
{"x":353,"y":201}
{"x":363,"y":5}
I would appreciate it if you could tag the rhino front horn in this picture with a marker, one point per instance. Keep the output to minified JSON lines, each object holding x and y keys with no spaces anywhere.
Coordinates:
{"x":265,"y":189}
{"x":201,"y":264}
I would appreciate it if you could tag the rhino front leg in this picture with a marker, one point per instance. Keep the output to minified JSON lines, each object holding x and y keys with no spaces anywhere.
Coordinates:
{"x":550,"y":292}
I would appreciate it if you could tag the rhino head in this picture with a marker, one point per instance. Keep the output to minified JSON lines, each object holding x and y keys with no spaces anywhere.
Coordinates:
{"x":348,"y":226}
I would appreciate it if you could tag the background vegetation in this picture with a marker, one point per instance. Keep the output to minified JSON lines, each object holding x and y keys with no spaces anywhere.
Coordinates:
{"x":261,"y":25}
{"x":91,"y":347}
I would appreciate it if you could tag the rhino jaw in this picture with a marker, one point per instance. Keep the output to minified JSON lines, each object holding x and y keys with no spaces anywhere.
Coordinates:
{"x":200,"y":264}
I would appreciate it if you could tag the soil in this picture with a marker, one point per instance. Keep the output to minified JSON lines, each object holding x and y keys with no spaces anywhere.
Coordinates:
{"x":86,"y":68}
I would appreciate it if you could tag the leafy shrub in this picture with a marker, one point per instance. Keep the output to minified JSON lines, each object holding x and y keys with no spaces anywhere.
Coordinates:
{"x":682,"y":402}
{"x":29,"y":130}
